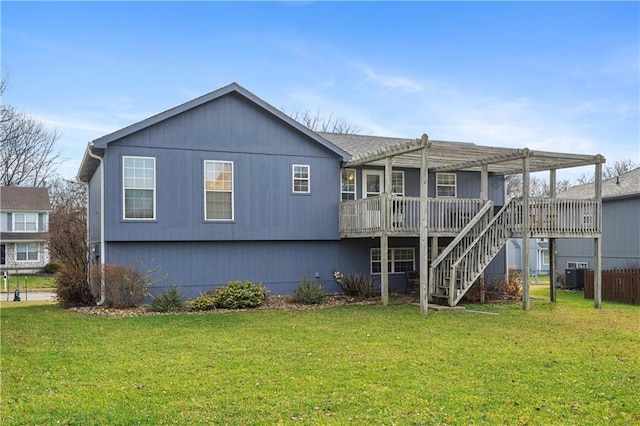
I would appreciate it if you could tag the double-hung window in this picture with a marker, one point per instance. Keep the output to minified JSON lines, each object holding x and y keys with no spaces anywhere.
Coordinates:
{"x":27,"y":252}
{"x":397,"y":183}
{"x":25,"y":222}
{"x":218,"y":188}
{"x":301,"y":179}
{"x":348,"y":186}
{"x":139,"y":187}
{"x":401,"y":259}
{"x":445,"y":184}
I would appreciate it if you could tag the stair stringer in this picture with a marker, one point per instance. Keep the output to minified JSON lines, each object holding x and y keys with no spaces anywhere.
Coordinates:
{"x":469,"y":265}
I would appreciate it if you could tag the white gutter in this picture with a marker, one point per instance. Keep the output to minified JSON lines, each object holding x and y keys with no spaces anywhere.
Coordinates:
{"x":102,"y":239}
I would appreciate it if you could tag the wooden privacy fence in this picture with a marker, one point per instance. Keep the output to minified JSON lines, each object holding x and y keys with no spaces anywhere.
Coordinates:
{"x":619,"y":285}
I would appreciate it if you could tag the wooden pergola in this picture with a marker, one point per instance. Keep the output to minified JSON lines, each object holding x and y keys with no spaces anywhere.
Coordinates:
{"x":439,"y":156}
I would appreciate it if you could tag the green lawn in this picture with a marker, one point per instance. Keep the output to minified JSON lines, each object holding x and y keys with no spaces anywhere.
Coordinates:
{"x":31,"y":282}
{"x":562,"y":363}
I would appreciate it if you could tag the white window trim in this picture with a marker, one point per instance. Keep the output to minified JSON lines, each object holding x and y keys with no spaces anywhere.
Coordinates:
{"x":455,"y":185}
{"x":380,"y":173}
{"x":37,"y":259}
{"x":293,"y":178}
{"x":392,"y":259}
{"x":124,"y":188}
{"x":577,"y":265}
{"x":542,"y":257}
{"x":233,"y":190}
{"x":355,"y":184}
{"x":13,"y":217}
{"x":401,"y":194}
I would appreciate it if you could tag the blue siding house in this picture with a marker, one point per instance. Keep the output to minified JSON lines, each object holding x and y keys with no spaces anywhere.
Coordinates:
{"x":227,"y":187}
{"x":620,"y":226}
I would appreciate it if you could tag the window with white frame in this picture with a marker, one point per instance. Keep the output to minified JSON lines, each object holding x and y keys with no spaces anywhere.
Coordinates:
{"x":218,"y":187}
{"x":544,"y":257}
{"x":401,"y":259}
{"x":397,"y":183}
{"x":26,"y":252}
{"x":25,"y":222}
{"x":577,"y":265}
{"x":301,"y":178}
{"x":139,"y":187}
{"x":445,"y":184}
{"x":348,"y":184}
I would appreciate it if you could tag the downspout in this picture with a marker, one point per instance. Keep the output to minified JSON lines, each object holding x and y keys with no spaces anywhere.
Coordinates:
{"x":102,"y":244}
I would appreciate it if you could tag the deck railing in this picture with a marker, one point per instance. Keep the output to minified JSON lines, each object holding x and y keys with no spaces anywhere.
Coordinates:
{"x":448,"y":216}
{"x":402,"y":215}
{"x":557,"y":217}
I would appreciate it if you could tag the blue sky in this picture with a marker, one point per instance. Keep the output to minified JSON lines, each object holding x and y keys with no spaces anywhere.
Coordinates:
{"x":543,"y":75}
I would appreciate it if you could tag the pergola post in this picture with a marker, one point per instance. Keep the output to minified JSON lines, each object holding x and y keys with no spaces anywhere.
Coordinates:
{"x":526,"y":302}
{"x":424,"y":224}
{"x":552,"y":243}
{"x":597,"y":244}
{"x":385,"y":210}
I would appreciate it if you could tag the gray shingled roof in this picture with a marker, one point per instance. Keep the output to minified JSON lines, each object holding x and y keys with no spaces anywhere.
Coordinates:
{"x":19,"y":198}
{"x":627,"y":184}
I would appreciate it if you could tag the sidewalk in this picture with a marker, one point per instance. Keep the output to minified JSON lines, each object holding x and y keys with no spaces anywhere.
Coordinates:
{"x":30,"y":296}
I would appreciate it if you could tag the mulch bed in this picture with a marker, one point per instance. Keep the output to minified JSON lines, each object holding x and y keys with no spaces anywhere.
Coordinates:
{"x":272,"y":302}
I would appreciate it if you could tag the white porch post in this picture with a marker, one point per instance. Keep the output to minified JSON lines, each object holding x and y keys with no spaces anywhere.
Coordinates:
{"x":424,"y":224}
{"x":384,"y":236}
{"x":597,"y":244}
{"x":526,"y":302}
{"x":552,"y":243}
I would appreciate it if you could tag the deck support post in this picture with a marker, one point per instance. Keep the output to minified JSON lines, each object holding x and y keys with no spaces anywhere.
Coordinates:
{"x":434,"y":256}
{"x":386,"y":214}
{"x":552,"y":242}
{"x":597,"y":244}
{"x":424,"y":224}
{"x":526,"y":233}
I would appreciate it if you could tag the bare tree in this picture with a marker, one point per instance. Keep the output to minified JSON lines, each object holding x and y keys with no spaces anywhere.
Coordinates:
{"x":610,"y":171}
{"x":27,"y":148}
{"x":67,"y":241}
{"x":322,"y":123}
{"x":68,"y":222}
{"x":538,"y":187}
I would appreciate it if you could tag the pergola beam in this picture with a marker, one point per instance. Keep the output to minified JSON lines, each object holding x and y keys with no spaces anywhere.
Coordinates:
{"x":383,"y":153}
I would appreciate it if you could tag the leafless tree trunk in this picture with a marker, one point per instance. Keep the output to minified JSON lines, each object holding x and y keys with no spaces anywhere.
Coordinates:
{"x":27,"y":148}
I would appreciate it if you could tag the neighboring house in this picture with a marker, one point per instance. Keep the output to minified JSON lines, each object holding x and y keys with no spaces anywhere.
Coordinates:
{"x":24,"y":226}
{"x":539,"y":261}
{"x":620,"y":226}
{"x":227,"y":187}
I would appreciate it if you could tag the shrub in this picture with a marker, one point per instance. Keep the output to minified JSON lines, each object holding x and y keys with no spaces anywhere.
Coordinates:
{"x":204,"y":302}
{"x":169,"y":301}
{"x":125,"y":286}
{"x":240,"y":295}
{"x":357,"y":285}
{"x":51,"y":268}
{"x":309,"y":293}
{"x":72,"y":288}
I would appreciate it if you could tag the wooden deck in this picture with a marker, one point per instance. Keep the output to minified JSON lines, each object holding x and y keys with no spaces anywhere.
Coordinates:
{"x":400,"y":216}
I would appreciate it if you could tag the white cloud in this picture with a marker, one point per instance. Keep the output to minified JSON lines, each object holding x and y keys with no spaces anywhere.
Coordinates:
{"x":388,"y":82}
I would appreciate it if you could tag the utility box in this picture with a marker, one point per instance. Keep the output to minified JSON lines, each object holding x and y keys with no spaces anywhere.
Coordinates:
{"x":574,"y":278}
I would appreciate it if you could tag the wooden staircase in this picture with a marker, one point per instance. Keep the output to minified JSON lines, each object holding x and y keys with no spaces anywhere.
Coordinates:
{"x":455,"y":270}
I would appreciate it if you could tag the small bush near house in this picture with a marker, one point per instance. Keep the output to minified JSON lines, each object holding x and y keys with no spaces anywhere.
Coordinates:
{"x":204,"y":302}
{"x":51,"y":268}
{"x":240,"y":295}
{"x":72,"y":289}
{"x":169,"y":301}
{"x":125,"y":287}
{"x":309,"y":293}
{"x":357,"y":285}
